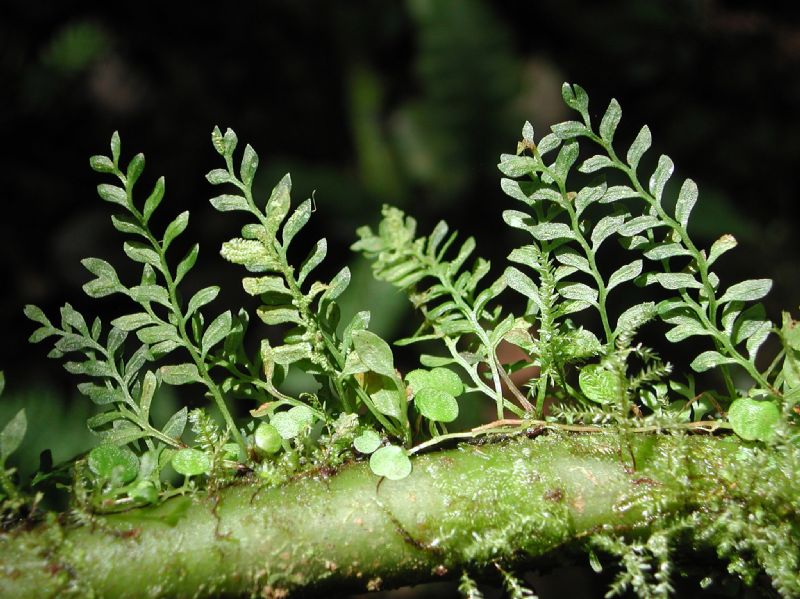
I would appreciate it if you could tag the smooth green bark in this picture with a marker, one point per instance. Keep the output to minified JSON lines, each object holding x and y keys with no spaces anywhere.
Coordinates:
{"x":511,"y":501}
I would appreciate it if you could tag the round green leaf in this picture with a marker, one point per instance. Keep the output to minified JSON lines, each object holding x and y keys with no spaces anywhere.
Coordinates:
{"x":598,"y":384}
{"x":442,"y":379}
{"x":436,"y":405}
{"x":291,"y":423}
{"x":391,"y":462}
{"x":191,"y":462}
{"x":267,"y":438}
{"x":111,"y":461}
{"x":754,"y":420}
{"x":367,"y":442}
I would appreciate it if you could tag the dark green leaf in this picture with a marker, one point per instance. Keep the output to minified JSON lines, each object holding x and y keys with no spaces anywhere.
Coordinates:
{"x":154,"y":199}
{"x":710,"y":359}
{"x":101,"y":164}
{"x":135,"y":168}
{"x":115,"y":147}
{"x":176,"y":424}
{"x":139,"y":252}
{"x":201,"y":298}
{"x":186,"y":264}
{"x":175,"y":228}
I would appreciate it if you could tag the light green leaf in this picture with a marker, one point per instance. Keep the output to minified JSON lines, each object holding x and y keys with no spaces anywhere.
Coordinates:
{"x":290,"y":353}
{"x":570,"y":257}
{"x":599,"y":384}
{"x":139,"y":252}
{"x":337,"y":286}
{"x":676,"y":280}
{"x":296,"y":221}
{"x":565,"y":159}
{"x":660,"y":176}
{"x":522,"y":283}
{"x":595,"y":163}
{"x":367,"y":442}
{"x":218,"y":176}
{"x":154,"y":199}
{"x":666,"y":250}
{"x":12,"y":434}
{"x":442,"y":379}
{"x":750,"y":290}
{"x":131,"y":322}
{"x":278,"y":204}
{"x":219,"y":328}
{"x":624,"y":273}
{"x":720,"y":246}
{"x":374,"y":352}
{"x":269,"y":284}
{"x":158,"y":333}
{"x":608,"y":125}
{"x":514,"y":166}
{"x":291,"y":423}
{"x":579,"y":291}
{"x":249,"y":165}
{"x":314,"y":258}
{"x":390,"y":462}
{"x":549,"y":231}
{"x":175,"y":228}
{"x":685,"y":326}
{"x":569,"y":129}
{"x":588,"y":196}
{"x":180,"y":374}
{"x":113,"y":194}
{"x":116,"y":145}
{"x":267,"y":438}
{"x":191,"y":462}
{"x":639,"y":224}
{"x":710,"y":359}
{"x":201,"y":298}
{"x":639,"y":146}
{"x":273,"y":315}
{"x":101,"y":164}
{"x":618,"y":192}
{"x":436,"y":405}
{"x":150,"y":293}
{"x":229,"y":203}
{"x":605,"y":227}
{"x":113,"y":462}
{"x":687,"y":198}
{"x":754,"y":420}
{"x":249,"y":253}
{"x":387,"y":400}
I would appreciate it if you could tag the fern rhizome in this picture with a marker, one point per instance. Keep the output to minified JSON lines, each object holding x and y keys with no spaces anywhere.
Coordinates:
{"x":575,"y":194}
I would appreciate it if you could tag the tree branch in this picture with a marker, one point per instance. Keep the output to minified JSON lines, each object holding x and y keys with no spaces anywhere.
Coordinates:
{"x":463,"y":509}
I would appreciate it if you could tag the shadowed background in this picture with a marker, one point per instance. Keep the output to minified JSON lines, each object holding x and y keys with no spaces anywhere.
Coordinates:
{"x":366,"y":103}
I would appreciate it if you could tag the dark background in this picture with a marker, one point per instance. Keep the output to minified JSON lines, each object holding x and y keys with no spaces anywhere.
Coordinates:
{"x":370,"y":102}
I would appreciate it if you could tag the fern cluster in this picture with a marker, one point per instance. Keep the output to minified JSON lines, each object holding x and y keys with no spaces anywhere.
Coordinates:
{"x":572,"y":207}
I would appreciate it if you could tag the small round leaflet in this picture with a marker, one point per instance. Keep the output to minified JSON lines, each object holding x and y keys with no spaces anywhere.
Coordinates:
{"x":754,"y":420}
{"x":109,"y":461}
{"x":436,"y":405}
{"x":267,"y":438}
{"x":442,"y":379}
{"x":291,"y":423}
{"x":367,"y":442}
{"x":191,"y":462}
{"x":391,"y":462}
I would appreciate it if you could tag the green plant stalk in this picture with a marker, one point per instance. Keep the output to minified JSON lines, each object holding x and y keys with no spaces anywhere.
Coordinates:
{"x":509,"y":502}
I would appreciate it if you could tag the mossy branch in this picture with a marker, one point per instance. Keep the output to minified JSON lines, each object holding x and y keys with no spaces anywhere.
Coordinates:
{"x":468,"y":509}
